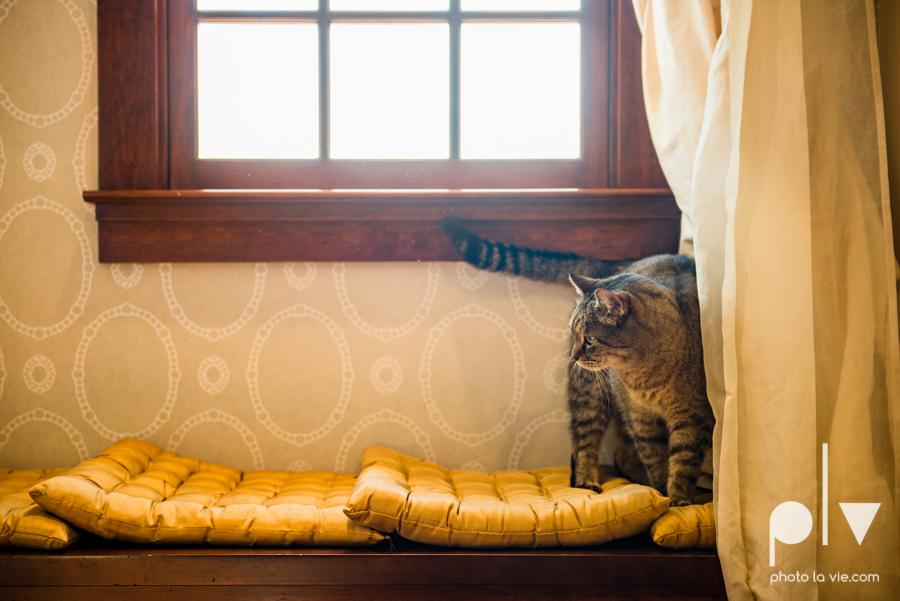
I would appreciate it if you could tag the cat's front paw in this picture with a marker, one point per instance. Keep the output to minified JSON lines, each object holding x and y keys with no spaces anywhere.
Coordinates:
{"x":589,"y":485}
{"x":584,"y":475}
{"x":680,"y":501}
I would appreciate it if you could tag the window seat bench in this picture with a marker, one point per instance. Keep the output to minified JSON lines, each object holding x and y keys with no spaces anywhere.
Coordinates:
{"x":98,"y":569}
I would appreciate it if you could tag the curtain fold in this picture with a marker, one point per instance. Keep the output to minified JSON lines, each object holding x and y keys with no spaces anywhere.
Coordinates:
{"x":674,"y":63}
{"x":788,"y":210}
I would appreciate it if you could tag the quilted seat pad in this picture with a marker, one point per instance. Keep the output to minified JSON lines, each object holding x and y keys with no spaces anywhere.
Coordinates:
{"x":424,"y":502}
{"x":135,"y":492}
{"x":689,"y":527}
{"x":22,"y":522}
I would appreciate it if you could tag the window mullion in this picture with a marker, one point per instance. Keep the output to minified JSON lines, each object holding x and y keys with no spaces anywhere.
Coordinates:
{"x":324,"y":23}
{"x":455,"y":25}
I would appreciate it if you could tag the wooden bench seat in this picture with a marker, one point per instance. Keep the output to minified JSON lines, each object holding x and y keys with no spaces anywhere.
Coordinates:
{"x":97,"y":569}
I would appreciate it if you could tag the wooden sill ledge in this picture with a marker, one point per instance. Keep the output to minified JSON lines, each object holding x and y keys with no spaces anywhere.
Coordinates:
{"x":96,"y":569}
{"x":375,"y":225}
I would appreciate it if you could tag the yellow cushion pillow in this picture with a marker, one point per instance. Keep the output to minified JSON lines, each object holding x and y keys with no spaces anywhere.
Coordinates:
{"x":689,"y":527}
{"x":22,"y":522}
{"x":135,"y":492}
{"x":425,"y":502}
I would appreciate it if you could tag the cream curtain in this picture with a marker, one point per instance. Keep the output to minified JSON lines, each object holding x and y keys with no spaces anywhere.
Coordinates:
{"x":781,"y":140}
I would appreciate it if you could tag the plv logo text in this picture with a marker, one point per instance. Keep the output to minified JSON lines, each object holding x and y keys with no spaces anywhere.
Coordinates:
{"x":791,"y":522}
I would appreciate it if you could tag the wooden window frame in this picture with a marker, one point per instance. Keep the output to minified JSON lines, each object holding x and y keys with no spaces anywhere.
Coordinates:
{"x":157,"y":203}
{"x":190,"y":172}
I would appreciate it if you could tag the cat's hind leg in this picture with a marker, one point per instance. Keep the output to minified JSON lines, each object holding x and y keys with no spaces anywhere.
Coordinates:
{"x":690,"y":436}
{"x":590,"y":402}
{"x":628,"y":462}
{"x":651,"y":439}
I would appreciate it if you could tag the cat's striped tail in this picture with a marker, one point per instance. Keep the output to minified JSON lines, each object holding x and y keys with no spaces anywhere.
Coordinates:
{"x":543,"y":265}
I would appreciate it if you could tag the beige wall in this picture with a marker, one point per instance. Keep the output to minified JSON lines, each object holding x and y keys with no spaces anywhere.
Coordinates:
{"x":91,"y":352}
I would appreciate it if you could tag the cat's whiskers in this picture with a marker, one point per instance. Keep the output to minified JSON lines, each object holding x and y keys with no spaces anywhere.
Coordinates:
{"x":583,"y":372}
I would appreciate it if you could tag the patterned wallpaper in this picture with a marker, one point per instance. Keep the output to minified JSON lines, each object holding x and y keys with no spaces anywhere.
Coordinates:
{"x":269,"y":365}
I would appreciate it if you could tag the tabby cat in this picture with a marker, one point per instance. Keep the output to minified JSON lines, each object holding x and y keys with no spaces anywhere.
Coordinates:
{"x":637,"y":359}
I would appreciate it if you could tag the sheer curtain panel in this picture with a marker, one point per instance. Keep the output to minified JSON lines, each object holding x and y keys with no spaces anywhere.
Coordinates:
{"x":782,"y":148}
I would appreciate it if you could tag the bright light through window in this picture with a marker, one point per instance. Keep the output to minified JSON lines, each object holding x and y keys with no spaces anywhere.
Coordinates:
{"x":267,"y":5}
{"x":257,"y":90}
{"x":388,"y":82}
{"x":521,"y":5}
{"x":521,"y":91}
{"x":370,"y":5}
{"x":390,"y":91}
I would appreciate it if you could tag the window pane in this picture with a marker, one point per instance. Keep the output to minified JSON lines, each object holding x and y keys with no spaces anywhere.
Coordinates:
{"x":373,"y":5}
{"x":257,"y":90}
{"x":257,"y":5}
{"x":521,"y":5}
{"x":521,"y":91}
{"x":390,"y":91}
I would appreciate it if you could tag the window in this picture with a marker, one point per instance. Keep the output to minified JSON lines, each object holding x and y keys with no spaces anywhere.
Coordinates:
{"x":387,"y":94}
{"x":309,"y":129}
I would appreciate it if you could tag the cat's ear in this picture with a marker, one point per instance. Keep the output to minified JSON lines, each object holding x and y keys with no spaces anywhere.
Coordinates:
{"x":617,"y":303}
{"x":582,"y":284}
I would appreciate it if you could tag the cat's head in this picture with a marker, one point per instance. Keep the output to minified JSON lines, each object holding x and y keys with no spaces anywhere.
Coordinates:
{"x":617,"y":321}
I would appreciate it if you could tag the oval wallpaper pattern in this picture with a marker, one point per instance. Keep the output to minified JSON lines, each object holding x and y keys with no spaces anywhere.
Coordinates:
{"x":278,"y":366}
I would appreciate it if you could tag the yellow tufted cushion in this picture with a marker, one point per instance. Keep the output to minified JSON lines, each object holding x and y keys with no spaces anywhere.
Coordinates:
{"x":425,"y":502}
{"x":689,"y":527}
{"x":22,"y":522}
{"x":135,"y":492}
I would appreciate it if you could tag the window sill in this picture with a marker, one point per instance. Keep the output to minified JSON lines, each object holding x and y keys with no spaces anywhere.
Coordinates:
{"x":147,"y":226}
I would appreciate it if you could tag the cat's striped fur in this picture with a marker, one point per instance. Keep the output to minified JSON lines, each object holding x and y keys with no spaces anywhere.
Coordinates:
{"x":637,"y":359}
{"x":544,"y":265}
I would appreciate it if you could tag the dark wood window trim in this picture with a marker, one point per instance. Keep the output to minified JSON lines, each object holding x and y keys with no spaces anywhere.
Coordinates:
{"x":393,"y":225}
{"x":620,"y":208}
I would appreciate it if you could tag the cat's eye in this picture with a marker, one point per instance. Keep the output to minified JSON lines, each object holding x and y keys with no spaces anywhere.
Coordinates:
{"x":589,"y":340}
